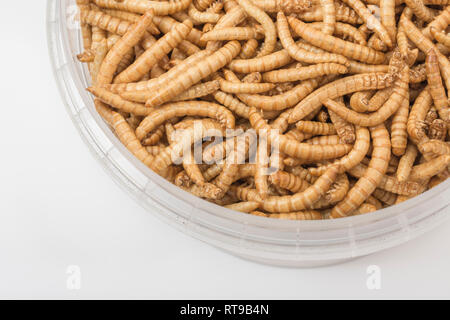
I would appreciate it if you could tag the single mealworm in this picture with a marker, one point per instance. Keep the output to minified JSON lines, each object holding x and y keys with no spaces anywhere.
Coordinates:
{"x":201,"y":70}
{"x":420,"y":10}
{"x":387,"y":15}
{"x":406,"y":162}
{"x":292,"y":147}
{"x":343,"y":14}
{"x":435,"y":86}
{"x":289,"y":181}
{"x":200,"y":90}
{"x":304,"y":73}
{"x":86,"y":30}
{"x":150,"y":57}
{"x":388,"y":183}
{"x":202,"y":17}
{"x":336,"y":45}
{"x":430,"y":168}
{"x":357,"y":67}
{"x":161,"y":8}
{"x":316,"y":128}
{"x":329,"y":16}
{"x":261,"y":64}
{"x":337,"y":89}
{"x":440,"y":37}
{"x":128,"y":41}
{"x":399,"y":134}
{"x":233,"y":33}
{"x":371,"y":178}
{"x":117,"y":102}
{"x":399,"y":94}
{"x":241,"y":87}
{"x":246,"y":206}
{"x":130,"y":17}
{"x":101,"y":50}
{"x":165,"y":24}
{"x":439,"y":23}
{"x":288,"y":6}
{"x":302,"y":200}
{"x":416,"y":121}
{"x":185,"y":108}
{"x":297,"y":52}
{"x":331,"y":139}
{"x":267,"y":24}
{"x":105,"y":22}
{"x":353,"y":158}
{"x":370,"y":20}
{"x":344,"y":30}
{"x":424,"y":44}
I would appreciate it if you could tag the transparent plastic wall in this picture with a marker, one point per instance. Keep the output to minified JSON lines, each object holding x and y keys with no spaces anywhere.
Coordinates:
{"x":278,"y":242}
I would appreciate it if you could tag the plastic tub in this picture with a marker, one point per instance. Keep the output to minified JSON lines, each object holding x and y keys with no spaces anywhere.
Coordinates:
{"x":277,"y":242}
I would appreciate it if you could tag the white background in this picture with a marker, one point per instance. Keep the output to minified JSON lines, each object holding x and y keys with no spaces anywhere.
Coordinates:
{"x":59,"y":208}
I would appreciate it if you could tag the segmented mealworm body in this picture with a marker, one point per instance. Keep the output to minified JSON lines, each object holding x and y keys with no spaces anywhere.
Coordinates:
{"x":370,"y":20}
{"x":329,"y":16}
{"x":150,"y":57}
{"x":300,"y":215}
{"x":194,"y":74}
{"x":416,"y":125}
{"x":250,"y":88}
{"x":388,"y":183}
{"x":289,"y":181}
{"x":302,"y":200}
{"x":297,"y":52}
{"x":399,"y":134}
{"x":304,"y":73}
{"x":165,"y":24}
{"x":399,"y":94}
{"x":345,"y":31}
{"x":316,"y":128}
{"x":353,"y":158}
{"x":440,"y":37}
{"x":337,"y":89}
{"x":371,"y":178}
{"x":249,"y":49}
{"x":435,"y":147}
{"x":406,"y":162}
{"x":365,"y":208}
{"x":261,"y":169}
{"x":161,"y":8}
{"x":420,"y":10}
{"x":106,"y":22}
{"x":127,"y":42}
{"x":292,"y":147}
{"x":130,"y":17}
{"x":246,"y":206}
{"x":439,"y":23}
{"x":384,"y":196}
{"x":288,"y":6}
{"x":163,"y":80}
{"x":266,"y":22}
{"x":430,"y":168}
{"x":185,"y":108}
{"x":261,"y":64}
{"x":343,"y":14}
{"x":435,"y":86}
{"x":234,"y":33}
{"x":387,"y":15}
{"x":200,"y":90}
{"x":117,"y":102}
{"x":336,"y":45}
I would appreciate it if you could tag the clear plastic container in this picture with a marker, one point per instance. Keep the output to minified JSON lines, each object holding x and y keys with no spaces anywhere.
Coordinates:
{"x":277,"y":242}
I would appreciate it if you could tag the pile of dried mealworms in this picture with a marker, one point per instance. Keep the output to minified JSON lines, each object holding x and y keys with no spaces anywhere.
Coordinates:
{"x":352,"y":93}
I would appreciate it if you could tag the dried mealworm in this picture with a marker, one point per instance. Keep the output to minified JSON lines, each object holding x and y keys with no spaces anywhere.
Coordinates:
{"x":430,"y":168}
{"x":297,"y":52}
{"x":246,"y":206}
{"x":329,"y":16}
{"x":288,"y":6}
{"x":435,"y":86}
{"x":399,"y":95}
{"x":316,"y":128}
{"x":359,"y":101}
{"x":440,"y":37}
{"x":201,"y":70}
{"x":345,"y":31}
{"x":337,"y":89}
{"x":261,"y":64}
{"x":370,"y":20}
{"x":406,"y":163}
{"x":161,"y":8}
{"x":345,"y":130}
{"x":234,"y":33}
{"x":185,"y":108}
{"x":335,"y":45}
{"x":399,"y":134}
{"x":416,"y":121}
{"x":128,"y":41}
{"x":289,"y":181}
{"x":200,"y":90}
{"x":266,"y":22}
{"x":304,"y":73}
{"x":387,"y":15}
{"x":371,"y":178}
{"x":150,"y":57}
{"x":241,"y":87}
{"x":420,"y":10}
